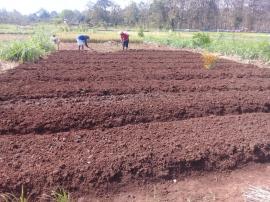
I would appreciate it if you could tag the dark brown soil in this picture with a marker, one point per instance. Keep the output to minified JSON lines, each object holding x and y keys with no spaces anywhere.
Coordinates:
{"x":92,"y":122}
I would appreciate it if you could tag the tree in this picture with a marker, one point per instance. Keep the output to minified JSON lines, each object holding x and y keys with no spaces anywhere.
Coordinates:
{"x":144,"y":14}
{"x":252,"y":15}
{"x":158,"y":13}
{"x":42,"y":14}
{"x":116,"y":15}
{"x":98,"y":13}
{"x":131,"y":13}
{"x":71,"y":17}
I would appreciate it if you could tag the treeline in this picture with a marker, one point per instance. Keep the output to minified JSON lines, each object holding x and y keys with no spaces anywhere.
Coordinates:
{"x":207,"y":15}
{"x":15,"y":17}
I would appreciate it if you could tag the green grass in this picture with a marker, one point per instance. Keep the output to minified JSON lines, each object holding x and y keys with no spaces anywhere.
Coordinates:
{"x":26,"y":50}
{"x":246,"y":45}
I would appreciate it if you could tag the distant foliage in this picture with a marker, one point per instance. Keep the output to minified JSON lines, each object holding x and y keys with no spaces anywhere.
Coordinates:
{"x":201,"y":39}
{"x":190,"y":15}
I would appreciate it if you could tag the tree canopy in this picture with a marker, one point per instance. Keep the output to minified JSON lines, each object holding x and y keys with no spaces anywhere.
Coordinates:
{"x":247,"y":15}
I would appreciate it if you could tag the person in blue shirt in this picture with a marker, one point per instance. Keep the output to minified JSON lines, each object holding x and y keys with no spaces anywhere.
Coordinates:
{"x":82,"y":41}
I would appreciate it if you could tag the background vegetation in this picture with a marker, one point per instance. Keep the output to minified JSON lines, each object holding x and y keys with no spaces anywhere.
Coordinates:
{"x":204,"y":15}
{"x":29,"y":49}
{"x":37,"y":43}
{"x":213,"y":25}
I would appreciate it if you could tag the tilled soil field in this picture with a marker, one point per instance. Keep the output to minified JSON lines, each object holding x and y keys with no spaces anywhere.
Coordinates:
{"x":92,"y":122}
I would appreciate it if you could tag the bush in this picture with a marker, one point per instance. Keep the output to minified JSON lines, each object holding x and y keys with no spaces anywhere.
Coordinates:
{"x":201,"y":39}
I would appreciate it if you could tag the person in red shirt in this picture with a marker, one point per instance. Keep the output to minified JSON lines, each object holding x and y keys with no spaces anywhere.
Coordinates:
{"x":124,"y":40}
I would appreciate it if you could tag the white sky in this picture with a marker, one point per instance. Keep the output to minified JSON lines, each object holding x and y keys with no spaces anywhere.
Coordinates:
{"x":31,"y":6}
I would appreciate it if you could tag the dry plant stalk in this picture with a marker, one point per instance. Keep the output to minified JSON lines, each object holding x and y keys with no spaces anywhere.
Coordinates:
{"x":209,"y":60}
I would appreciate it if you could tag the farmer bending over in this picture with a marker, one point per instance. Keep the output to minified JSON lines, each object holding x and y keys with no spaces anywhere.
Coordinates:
{"x":56,"y":41}
{"x":82,"y":40}
{"x":124,"y":40}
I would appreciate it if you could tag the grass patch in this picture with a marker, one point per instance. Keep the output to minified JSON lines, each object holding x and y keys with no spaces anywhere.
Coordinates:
{"x":247,"y":46}
{"x":26,"y":50}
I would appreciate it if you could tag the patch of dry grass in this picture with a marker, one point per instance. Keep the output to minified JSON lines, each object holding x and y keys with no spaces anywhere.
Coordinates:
{"x":209,"y":60}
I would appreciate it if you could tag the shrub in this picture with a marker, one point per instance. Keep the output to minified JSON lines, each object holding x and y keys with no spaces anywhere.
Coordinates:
{"x":201,"y":39}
